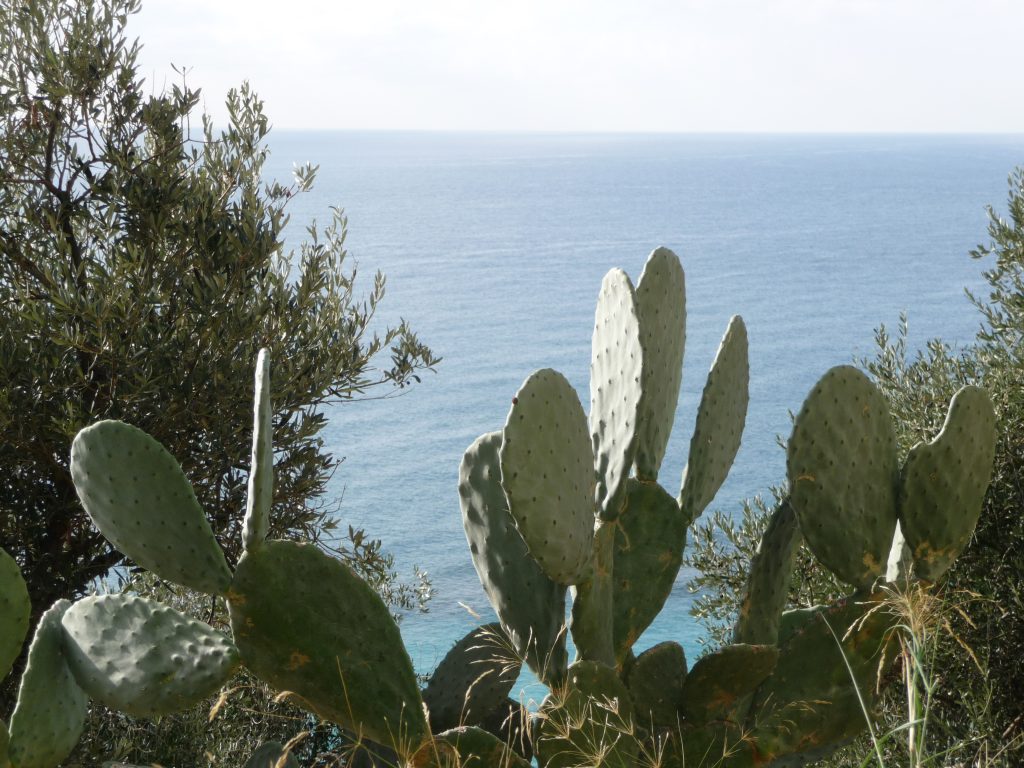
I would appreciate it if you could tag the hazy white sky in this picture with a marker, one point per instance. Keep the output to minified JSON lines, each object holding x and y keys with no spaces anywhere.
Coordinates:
{"x":644,"y":65}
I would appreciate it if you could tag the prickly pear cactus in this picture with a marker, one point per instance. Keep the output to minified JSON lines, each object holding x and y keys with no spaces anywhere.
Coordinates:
{"x":137,"y":495}
{"x":50,"y":713}
{"x":143,"y":658}
{"x":14,"y":612}
{"x":306,"y":623}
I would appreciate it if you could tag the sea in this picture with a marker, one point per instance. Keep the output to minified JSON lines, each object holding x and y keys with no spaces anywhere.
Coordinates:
{"x":494,"y":246}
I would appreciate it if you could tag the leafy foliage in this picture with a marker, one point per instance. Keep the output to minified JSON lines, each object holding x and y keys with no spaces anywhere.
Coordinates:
{"x":142,"y":266}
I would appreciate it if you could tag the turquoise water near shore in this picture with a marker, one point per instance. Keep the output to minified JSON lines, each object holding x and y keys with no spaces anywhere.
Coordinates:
{"x":494,"y":246}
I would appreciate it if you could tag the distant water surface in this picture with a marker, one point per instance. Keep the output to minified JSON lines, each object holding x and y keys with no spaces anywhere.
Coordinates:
{"x":494,"y":247}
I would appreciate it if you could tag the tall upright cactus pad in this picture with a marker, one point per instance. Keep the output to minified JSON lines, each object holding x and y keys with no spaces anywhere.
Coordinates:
{"x":588,"y":722}
{"x":719,"y":685}
{"x":944,"y":483}
{"x":547,"y":471}
{"x":14,"y":612}
{"x":143,"y":658}
{"x":137,"y":495}
{"x":768,"y":580}
{"x":51,"y":708}
{"x":615,"y":369}
{"x":473,"y":679}
{"x":809,"y":704}
{"x":661,"y":306}
{"x":720,"y":419}
{"x":306,"y":623}
{"x":261,"y":467}
{"x":843,"y":475}
{"x":649,"y":546}
{"x":530,"y":605}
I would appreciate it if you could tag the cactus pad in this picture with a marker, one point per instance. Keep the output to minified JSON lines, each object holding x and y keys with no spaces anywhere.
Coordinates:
{"x":809,"y":704}
{"x":531,"y":606}
{"x":649,"y":546}
{"x":615,"y":369}
{"x":5,"y":743}
{"x":720,"y":419}
{"x":842,"y":468}
{"x":656,"y":684}
{"x":661,"y":306}
{"x":768,"y":580}
{"x":269,"y":755}
{"x":719,"y":684}
{"x":944,"y":483}
{"x":306,"y":623}
{"x":261,"y":467}
{"x":588,"y":722}
{"x":50,"y":712}
{"x":473,"y":680}
{"x":14,"y":612}
{"x":592,"y":604}
{"x":467,"y":747}
{"x":137,"y":495}
{"x":143,"y":658}
{"x":547,"y":471}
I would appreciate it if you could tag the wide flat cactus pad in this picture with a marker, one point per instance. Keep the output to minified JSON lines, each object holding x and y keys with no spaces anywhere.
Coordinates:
{"x":137,"y":495}
{"x":944,"y":483}
{"x":547,"y":471}
{"x":473,"y":680}
{"x":843,"y":475}
{"x":306,"y":623}
{"x":143,"y":658}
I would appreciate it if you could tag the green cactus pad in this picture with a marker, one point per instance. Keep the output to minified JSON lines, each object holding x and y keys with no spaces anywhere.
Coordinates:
{"x":768,"y":580}
{"x":50,"y":712}
{"x":547,"y":471}
{"x":137,"y":495}
{"x":720,"y":419}
{"x":530,"y":606}
{"x":261,"y":468}
{"x":615,"y":369}
{"x":592,"y":603}
{"x":511,"y":723}
{"x":719,"y":684}
{"x":473,"y":679}
{"x":655,"y":682}
{"x":809,"y":704}
{"x":649,"y":546}
{"x":661,"y":306}
{"x":269,"y":755}
{"x":843,"y":474}
{"x":467,"y":747}
{"x":143,"y":658}
{"x":306,"y":623}
{"x":588,"y":722}
{"x":14,"y":612}
{"x":944,"y":483}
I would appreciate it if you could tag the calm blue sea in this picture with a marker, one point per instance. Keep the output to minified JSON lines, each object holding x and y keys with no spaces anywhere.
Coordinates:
{"x":494,"y":247}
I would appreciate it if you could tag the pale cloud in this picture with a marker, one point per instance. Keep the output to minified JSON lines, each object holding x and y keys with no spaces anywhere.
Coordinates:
{"x":733,"y":65}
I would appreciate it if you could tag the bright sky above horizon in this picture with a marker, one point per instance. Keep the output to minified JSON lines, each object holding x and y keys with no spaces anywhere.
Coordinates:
{"x":597,"y":65}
